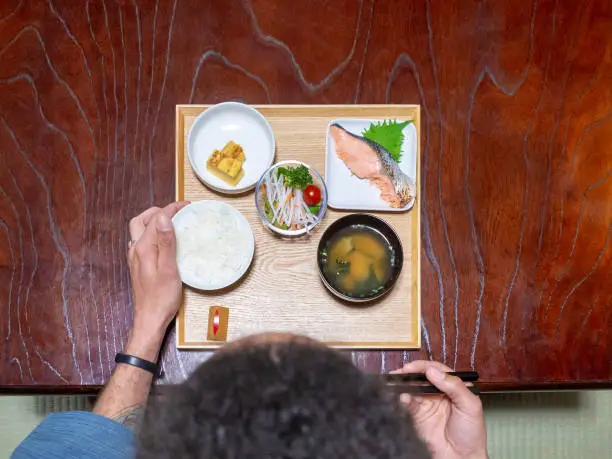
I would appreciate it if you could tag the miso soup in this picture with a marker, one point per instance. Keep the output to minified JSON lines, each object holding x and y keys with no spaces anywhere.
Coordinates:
{"x":358,"y":261}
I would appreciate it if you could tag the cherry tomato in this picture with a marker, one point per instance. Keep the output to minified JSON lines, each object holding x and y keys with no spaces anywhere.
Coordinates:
{"x":312,"y":195}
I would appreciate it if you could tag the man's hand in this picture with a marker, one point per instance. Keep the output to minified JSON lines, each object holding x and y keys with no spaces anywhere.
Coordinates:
{"x":452,"y":425}
{"x":156,"y":287}
{"x":156,"y":284}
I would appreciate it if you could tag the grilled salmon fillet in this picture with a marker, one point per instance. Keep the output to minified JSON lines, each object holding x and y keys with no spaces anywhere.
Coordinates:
{"x":371,"y":161}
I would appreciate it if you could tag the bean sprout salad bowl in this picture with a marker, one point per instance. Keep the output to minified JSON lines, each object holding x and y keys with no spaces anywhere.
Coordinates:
{"x":291,"y":198}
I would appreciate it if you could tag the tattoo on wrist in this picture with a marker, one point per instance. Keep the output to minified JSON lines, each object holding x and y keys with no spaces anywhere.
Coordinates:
{"x":131,"y":417}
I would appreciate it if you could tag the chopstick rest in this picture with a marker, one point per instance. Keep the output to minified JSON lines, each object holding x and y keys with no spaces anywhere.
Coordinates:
{"x":218,"y":319}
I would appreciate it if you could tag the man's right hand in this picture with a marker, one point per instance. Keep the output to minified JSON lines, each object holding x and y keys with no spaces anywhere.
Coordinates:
{"x":452,"y":425}
{"x":156,"y":284}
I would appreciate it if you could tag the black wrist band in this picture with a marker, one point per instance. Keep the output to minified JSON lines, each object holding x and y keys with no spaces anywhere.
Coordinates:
{"x":139,"y":363}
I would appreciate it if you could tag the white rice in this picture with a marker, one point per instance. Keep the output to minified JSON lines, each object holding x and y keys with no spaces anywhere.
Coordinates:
{"x":214,"y":244}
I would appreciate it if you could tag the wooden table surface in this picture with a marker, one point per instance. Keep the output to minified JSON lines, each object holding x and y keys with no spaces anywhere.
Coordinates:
{"x":517,"y":134}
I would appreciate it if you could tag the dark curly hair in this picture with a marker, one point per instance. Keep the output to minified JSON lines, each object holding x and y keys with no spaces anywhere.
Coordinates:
{"x":293,"y":399}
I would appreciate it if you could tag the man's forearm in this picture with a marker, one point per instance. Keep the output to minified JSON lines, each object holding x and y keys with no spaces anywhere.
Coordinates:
{"x":124,"y":397}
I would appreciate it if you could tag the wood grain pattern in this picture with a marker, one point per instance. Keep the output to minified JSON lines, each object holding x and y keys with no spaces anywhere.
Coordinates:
{"x":516,"y":130}
{"x":282,"y":291}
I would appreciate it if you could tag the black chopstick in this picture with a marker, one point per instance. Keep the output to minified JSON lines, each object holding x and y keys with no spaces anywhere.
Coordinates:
{"x":403,"y":383}
{"x":465,"y":376}
{"x":424,"y":390}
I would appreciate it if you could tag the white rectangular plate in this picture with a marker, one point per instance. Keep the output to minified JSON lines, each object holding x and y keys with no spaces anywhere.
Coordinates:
{"x":348,"y":192}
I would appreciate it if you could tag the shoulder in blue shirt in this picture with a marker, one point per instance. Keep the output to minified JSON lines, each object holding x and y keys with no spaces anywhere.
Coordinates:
{"x":77,"y":435}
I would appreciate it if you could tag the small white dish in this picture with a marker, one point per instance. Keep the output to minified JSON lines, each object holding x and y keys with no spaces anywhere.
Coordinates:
{"x":345,"y":191}
{"x":215,"y":244}
{"x":219,"y":124}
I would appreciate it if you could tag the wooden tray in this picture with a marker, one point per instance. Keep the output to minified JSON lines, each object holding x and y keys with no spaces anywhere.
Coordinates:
{"x":282,"y":291}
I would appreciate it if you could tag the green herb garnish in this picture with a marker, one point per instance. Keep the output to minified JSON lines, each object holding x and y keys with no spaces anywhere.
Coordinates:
{"x":268,"y":210}
{"x":389,"y":134}
{"x":295,"y":177}
{"x":314,"y":209}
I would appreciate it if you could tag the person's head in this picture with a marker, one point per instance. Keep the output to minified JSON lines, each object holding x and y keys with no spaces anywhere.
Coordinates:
{"x":279,"y":397}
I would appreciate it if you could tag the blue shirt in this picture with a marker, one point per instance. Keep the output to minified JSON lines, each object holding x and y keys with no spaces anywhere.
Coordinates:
{"x":77,"y":435}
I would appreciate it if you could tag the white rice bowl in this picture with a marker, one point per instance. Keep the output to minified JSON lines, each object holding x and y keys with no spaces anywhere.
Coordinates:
{"x":214,"y":244}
